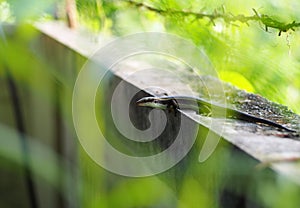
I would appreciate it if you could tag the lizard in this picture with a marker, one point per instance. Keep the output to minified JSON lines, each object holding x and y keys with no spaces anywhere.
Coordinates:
{"x":200,"y":105}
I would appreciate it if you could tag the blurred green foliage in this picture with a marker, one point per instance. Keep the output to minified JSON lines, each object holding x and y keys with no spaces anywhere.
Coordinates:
{"x":248,"y":56}
{"x":24,"y":10}
{"x":262,"y":61}
{"x":93,"y":14}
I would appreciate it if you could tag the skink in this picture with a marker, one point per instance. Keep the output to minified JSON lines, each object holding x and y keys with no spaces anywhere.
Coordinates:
{"x":202,"y":106}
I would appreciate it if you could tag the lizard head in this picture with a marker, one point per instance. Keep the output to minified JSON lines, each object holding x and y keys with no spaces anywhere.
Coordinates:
{"x":152,"y":102}
{"x":163,"y":103}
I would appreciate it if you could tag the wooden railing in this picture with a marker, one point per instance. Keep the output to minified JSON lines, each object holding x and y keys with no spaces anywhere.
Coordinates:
{"x":48,"y":113}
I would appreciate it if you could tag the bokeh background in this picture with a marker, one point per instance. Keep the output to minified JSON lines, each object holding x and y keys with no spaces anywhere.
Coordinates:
{"x":248,"y":55}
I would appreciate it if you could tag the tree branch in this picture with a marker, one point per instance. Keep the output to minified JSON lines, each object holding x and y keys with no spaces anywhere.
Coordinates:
{"x":266,"y":20}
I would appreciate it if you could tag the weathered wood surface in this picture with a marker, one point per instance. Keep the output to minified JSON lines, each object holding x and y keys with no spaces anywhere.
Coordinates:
{"x":270,"y":149}
{"x":265,"y":148}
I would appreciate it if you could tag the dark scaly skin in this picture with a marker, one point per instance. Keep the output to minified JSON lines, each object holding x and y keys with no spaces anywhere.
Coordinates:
{"x":202,"y":106}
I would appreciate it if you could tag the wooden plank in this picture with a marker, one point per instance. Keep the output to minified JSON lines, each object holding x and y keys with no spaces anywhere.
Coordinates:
{"x":270,"y":149}
{"x":261,"y":146}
